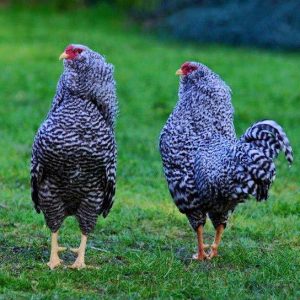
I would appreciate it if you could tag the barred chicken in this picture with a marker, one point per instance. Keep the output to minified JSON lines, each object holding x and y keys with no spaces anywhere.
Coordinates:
{"x":73,"y":166}
{"x":209,"y":170}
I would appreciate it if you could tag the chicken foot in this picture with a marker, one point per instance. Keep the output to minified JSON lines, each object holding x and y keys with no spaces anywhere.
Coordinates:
{"x":79,"y":262}
{"x":55,"y":261}
{"x":201,"y":255}
{"x":215,"y":245}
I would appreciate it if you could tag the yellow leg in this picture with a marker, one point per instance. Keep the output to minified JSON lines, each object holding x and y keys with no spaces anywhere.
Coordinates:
{"x":215,"y":245}
{"x":55,"y":261}
{"x":79,"y":262}
{"x":201,"y":255}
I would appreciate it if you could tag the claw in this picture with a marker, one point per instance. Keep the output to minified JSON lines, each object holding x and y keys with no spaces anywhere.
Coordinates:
{"x":54,"y":262}
{"x":78,"y":264}
{"x":213,"y":252}
{"x":60,"y":249}
{"x":200,"y":256}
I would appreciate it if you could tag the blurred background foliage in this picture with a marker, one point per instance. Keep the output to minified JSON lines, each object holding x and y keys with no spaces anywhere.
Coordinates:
{"x":269,"y":23}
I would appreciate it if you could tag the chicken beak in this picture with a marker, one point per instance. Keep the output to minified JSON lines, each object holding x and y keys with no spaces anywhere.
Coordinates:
{"x":179,"y":72}
{"x":63,"y":56}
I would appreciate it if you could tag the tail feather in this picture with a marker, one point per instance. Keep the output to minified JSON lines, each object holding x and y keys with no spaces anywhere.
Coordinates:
{"x":37,"y":174}
{"x":109,"y":190}
{"x":271,"y":138}
{"x":34,"y":194}
{"x":256,"y":151}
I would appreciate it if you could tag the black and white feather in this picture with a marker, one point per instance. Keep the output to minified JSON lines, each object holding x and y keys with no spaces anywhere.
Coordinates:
{"x":208,"y":169}
{"x":73,"y":166}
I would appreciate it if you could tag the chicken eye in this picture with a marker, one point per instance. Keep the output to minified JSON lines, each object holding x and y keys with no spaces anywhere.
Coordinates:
{"x":78,"y":51}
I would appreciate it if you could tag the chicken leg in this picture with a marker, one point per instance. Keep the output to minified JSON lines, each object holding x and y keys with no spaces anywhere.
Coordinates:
{"x":201,"y":255}
{"x":79,"y":262}
{"x":215,"y":245}
{"x":55,"y":261}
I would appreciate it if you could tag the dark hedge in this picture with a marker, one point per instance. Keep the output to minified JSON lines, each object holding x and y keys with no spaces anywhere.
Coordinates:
{"x":273,"y":24}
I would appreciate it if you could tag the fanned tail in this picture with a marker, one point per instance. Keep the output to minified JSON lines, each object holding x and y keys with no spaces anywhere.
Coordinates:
{"x":255,"y":153}
{"x":270,"y":138}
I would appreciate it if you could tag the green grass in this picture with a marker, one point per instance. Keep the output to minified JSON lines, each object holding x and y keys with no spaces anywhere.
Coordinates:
{"x":143,"y":248}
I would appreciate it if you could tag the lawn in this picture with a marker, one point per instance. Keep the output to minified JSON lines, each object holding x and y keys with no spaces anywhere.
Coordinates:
{"x":143,"y":249}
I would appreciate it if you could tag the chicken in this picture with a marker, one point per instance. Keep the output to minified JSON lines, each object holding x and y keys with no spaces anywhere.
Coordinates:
{"x":73,"y":165}
{"x":208,"y":170}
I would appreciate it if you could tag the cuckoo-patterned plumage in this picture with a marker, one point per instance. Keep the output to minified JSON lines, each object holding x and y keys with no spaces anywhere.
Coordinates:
{"x":208,"y":169}
{"x":73,"y":166}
